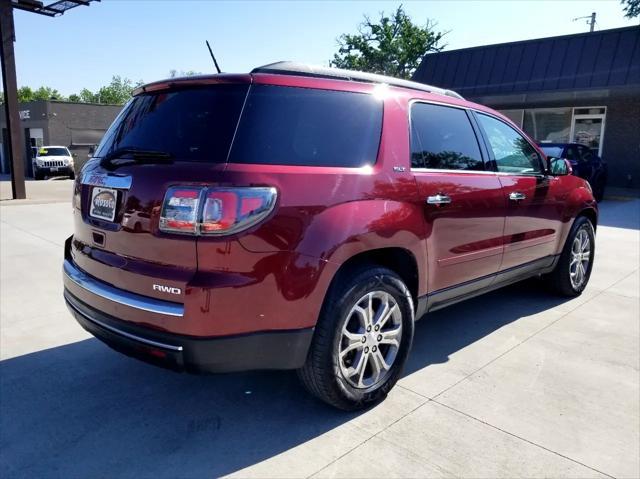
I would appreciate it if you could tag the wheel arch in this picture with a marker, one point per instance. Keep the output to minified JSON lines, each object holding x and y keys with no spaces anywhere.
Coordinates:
{"x":397,"y":259}
{"x":591,"y":215}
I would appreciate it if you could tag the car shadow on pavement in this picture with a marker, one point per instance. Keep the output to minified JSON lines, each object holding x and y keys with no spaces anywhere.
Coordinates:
{"x":441,"y":333}
{"x":82,"y":410}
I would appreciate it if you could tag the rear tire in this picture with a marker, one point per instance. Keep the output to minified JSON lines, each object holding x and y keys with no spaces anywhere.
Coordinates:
{"x":362,"y":339}
{"x":572,"y":273}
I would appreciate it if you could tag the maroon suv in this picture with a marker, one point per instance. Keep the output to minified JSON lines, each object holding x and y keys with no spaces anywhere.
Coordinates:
{"x":303,"y":218}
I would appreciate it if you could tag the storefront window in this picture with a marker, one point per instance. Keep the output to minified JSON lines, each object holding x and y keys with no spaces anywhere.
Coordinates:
{"x":514,"y":115}
{"x":548,"y":124}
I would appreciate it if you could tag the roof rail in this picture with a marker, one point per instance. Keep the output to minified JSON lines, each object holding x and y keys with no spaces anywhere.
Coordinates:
{"x":303,"y":69}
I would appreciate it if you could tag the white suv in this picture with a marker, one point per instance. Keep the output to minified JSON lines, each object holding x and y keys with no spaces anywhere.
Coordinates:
{"x":52,"y":161}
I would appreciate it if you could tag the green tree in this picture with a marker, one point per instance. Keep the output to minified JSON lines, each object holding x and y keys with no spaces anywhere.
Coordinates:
{"x":175,"y":73}
{"x":87,"y":96}
{"x":25,"y":94}
{"x":392,"y":46}
{"x":631,"y":8}
{"x":74,"y":98}
{"x":46,"y":93}
{"x":117,"y":92}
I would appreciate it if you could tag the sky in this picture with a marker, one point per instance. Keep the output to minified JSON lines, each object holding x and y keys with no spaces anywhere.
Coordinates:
{"x":146,"y":39}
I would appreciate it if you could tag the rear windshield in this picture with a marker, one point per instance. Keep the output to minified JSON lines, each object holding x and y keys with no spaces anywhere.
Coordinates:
{"x":279,"y":125}
{"x":195,"y":124}
{"x":302,"y":126}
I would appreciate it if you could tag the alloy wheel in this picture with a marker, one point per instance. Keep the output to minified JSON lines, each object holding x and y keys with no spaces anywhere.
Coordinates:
{"x":580,"y":258}
{"x":370,"y":339}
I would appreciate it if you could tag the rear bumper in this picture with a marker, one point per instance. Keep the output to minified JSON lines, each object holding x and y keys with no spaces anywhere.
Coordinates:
{"x":264,"y":350}
{"x":53,"y":170}
{"x":282,"y":349}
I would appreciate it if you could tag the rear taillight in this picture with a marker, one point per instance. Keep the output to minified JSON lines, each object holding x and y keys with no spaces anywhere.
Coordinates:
{"x":215,"y":211}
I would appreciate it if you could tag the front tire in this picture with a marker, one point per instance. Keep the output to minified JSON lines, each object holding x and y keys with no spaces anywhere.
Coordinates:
{"x":572,"y":273}
{"x":362,"y":339}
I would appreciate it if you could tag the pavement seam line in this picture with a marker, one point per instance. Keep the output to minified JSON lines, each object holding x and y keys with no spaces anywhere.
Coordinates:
{"x":32,"y":234}
{"x":529,"y":337}
{"x":521,"y":438}
{"x":434,"y":398}
{"x":369,"y":438}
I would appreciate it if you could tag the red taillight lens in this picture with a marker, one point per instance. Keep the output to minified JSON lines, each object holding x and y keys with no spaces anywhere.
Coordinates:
{"x":215,"y":211}
{"x":229,"y":210}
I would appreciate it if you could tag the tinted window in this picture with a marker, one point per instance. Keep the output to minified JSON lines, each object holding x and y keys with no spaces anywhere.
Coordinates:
{"x":195,"y":124}
{"x":555,"y":151}
{"x":586,"y":153}
{"x":302,"y":126}
{"x":572,"y":153}
{"x":442,"y":138}
{"x":513,"y":153}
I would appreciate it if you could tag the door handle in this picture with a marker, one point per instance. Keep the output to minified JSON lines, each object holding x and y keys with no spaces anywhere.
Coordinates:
{"x":517,"y":196}
{"x":438,"y":199}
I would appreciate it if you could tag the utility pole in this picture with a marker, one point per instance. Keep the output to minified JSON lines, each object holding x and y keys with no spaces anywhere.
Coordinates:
{"x":9,"y":83}
{"x":16,"y":145}
{"x":591,"y":21}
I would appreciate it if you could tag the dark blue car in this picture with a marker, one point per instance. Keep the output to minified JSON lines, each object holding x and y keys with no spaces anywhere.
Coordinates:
{"x":584,"y":161}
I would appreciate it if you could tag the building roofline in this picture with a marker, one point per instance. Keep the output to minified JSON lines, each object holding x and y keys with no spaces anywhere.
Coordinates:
{"x":535,"y":40}
{"x":67,"y":102}
{"x":82,"y":103}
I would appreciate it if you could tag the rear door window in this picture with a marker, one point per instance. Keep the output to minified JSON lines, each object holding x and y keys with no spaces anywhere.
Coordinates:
{"x":308,"y":127}
{"x":442,"y":138}
{"x":191,"y":124}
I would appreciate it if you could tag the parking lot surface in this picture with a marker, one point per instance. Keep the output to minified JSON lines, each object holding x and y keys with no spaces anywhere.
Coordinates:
{"x":516,"y":383}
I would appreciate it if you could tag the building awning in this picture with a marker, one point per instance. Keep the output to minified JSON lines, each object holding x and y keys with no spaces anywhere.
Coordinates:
{"x":86,"y":137}
{"x":601,"y":60}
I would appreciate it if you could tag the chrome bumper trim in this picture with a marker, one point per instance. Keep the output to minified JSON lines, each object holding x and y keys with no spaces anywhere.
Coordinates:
{"x":120,"y":296}
{"x":121,"y":332}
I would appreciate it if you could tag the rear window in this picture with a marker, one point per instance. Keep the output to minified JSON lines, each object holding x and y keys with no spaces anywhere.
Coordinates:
{"x":307,"y":127}
{"x":279,"y":126}
{"x":195,"y":124}
{"x":442,"y":138}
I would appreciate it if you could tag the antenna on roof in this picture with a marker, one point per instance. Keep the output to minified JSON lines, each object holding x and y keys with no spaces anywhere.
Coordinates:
{"x":212,"y":56}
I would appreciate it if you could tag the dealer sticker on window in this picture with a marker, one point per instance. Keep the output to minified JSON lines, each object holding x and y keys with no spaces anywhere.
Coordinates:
{"x":103,"y":203}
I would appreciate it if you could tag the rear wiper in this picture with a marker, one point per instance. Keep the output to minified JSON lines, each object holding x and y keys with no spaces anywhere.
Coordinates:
{"x":130,"y":154}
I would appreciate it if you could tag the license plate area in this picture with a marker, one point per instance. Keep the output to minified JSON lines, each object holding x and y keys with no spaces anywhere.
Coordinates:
{"x":104,"y":202}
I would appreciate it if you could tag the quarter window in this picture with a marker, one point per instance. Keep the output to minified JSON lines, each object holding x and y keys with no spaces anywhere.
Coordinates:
{"x":442,"y":138}
{"x":307,"y":127}
{"x":512,"y":152}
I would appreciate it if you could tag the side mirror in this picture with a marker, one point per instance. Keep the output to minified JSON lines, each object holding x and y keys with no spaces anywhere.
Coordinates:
{"x":560,"y":167}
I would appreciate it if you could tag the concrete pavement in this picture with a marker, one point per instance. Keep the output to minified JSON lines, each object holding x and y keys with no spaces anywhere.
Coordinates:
{"x":513,"y":384}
